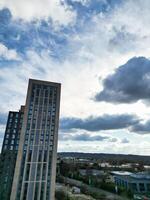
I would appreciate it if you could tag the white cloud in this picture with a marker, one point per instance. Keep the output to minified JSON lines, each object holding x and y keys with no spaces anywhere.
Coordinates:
{"x":58,"y":11}
{"x":9,"y":54}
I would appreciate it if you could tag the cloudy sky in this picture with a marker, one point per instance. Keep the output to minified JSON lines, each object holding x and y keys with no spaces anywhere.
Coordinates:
{"x":99,"y":50}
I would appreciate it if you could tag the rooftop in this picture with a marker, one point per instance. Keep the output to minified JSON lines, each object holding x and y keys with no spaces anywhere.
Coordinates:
{"x":140,"y":175}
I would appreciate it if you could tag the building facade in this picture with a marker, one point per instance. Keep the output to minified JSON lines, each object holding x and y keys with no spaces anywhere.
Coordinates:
{"x":35,"y":170}
{"x":9,"y":152}
{"x":136,"y":182}
{"x":29,"y":151}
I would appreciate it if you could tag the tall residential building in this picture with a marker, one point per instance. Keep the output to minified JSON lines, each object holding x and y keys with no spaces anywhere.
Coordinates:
{"x":34,"y":169}
{"x":9,"y":152}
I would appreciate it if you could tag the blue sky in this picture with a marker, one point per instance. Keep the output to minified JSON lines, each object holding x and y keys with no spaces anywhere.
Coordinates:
{"x":99,"y":51}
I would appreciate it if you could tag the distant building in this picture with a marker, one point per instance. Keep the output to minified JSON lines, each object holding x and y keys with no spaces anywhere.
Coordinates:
{"x":92,"y":172}
{"x":136,"y":182}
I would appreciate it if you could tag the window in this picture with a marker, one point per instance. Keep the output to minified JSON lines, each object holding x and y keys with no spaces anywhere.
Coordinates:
{"x":44,"y":172}
{"x":13,"y":136}
{"x":14,"y":131}
{"x":148,"y":186}
{"x":142,"y":187}
{"x":11,"y":147}
{"x":42,"y":137}
{"x":25,"y":190}
{"x":37,"y":92}
{"x":36,"y":101}
{"x":36,"y":191}
{"x":45,"y":101}
{"x":51,"y":138}
{"x":134,"y":186}
{"x":25,"y":147}
{"x":27,"y":172}
{"x":8,"y":130}
{"x":46,"y":93}
{"x":12,"y":142}
{"x":41,"y":142}
{"x":51,"y":148}
{"x":42,"y":191}
{"x":6,"y":141}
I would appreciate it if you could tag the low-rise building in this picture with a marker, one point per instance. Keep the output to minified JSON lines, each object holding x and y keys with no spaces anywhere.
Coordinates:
{"x":136,"y":182}
{"x":92,"y":172}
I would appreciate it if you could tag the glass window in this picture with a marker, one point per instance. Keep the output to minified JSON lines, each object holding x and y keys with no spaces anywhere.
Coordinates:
{"x":14,"y":131}
{"x":29,"y":156}
{"x":36,"y":101}
{"x":8,"y":130}
{"x":6,"y":141}
{"x":36,"y":191}
{"x":37,"y":92}
{"x":44,"y":172}
{"x":42,"y":191}
{"x":134,"y":186}
{"x":27,"y":172}
{"x":11,"y":147}
{"x":142,"y":187}
{"x":12,"y":142}
{"x":25,"y":190}
{"x":148,"y":186}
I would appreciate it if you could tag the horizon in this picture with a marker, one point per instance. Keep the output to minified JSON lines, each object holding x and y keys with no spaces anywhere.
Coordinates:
{"x":99,"y":51}
{"x":106,"y":153}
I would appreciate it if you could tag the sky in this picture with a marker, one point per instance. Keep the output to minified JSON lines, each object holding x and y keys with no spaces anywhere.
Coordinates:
{"x":99,"y":51}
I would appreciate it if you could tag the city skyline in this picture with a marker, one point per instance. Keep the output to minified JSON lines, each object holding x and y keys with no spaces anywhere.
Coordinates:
{"x":99,"y":51}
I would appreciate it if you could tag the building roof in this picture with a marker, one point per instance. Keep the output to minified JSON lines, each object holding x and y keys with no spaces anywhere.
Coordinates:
{"x":121,"y":173}
{"x":131,"y":176}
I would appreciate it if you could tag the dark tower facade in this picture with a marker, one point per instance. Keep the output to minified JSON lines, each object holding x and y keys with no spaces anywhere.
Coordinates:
{"x":9,"y":152}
